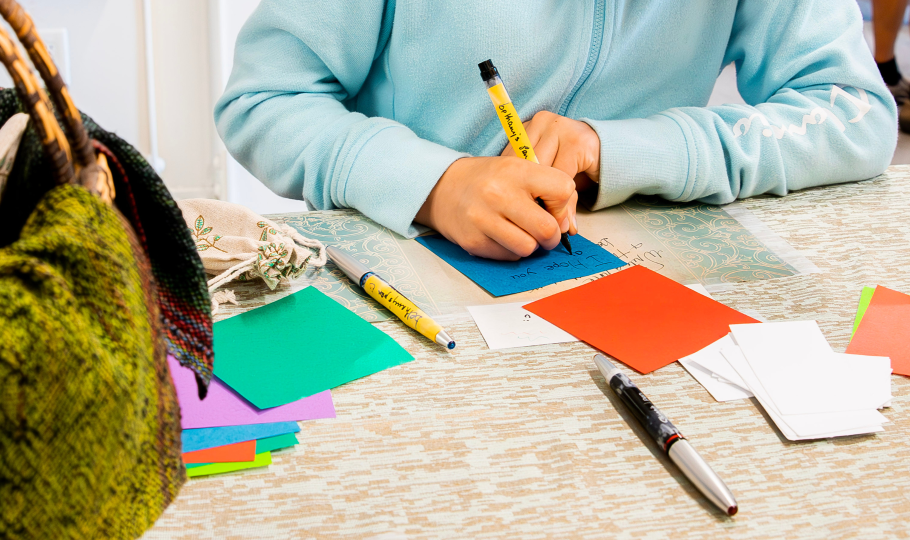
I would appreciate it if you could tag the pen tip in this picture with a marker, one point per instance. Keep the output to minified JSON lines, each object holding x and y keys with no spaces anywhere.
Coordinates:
{"x":451,"y":345}
{"x":732,"y":510}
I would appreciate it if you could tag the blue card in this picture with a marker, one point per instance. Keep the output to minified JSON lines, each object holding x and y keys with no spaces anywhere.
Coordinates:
{"x":200,"y":439}
{"x":542,"y":268}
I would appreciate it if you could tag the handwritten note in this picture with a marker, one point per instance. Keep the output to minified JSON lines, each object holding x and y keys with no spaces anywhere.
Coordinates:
{"x":542,"y":268}
{"x":509,"y":325}
{"x":632,"y":254}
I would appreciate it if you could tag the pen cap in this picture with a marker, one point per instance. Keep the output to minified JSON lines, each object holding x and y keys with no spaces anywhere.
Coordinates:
{"x":351,"y":267}
{"x":487,"y":70}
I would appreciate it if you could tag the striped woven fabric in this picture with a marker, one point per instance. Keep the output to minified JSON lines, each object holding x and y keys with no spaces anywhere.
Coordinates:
{"x":144,"y":200}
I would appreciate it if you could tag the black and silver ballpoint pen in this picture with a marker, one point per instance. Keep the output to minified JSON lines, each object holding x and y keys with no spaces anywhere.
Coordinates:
{"x":668,"y":437}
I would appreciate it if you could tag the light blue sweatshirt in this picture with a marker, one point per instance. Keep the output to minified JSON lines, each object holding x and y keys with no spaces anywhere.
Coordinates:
{"x":364,"y":104}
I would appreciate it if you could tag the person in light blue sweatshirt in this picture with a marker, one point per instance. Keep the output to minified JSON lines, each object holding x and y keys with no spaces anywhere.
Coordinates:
{"x":379,"y":106}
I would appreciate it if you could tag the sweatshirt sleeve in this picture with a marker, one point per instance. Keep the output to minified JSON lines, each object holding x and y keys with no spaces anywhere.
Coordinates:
{"x":283,"y":113}
{"x":818,"y":113}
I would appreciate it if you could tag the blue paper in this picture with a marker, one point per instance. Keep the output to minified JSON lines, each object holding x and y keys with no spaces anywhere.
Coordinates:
{"x":200,"y":439}
{"x":542,"y":268}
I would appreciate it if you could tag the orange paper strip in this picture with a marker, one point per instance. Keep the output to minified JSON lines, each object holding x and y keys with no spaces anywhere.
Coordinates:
{"x":242,"y":451}
{"x":640,"y":317}
{"x":885,"y":329}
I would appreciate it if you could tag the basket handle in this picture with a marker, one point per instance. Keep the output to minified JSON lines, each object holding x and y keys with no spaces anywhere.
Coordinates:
{"x":87,"y":170}
{"x":55,"y":144}
{"x":21,"y":23}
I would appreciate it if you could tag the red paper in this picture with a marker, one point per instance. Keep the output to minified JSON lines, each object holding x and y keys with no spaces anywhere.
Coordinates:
{"x":242,"y":451}
{"x":885,"y":329}
{"x":640,"y":317}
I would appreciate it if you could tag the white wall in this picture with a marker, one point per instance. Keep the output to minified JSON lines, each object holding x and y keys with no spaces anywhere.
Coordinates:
{"x":104,"y":58}
{"x":186,"y":130}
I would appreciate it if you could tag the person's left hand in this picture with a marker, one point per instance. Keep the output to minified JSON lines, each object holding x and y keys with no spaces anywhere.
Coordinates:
{"x":571,"y":146}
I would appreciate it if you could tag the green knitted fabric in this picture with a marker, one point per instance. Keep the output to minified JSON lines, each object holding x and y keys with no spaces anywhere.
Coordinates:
{"x":142,"y":197}
{"x":89,"y":422}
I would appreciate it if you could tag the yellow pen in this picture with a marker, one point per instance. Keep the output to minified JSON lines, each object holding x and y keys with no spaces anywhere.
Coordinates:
{"x":389,"y":297}
{"x":511,"y":122}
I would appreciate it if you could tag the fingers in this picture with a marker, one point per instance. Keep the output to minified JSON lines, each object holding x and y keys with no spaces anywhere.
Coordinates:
{"x":544,"y":134}
{"x":556,"y":190}
{"x":500,"y":239}
{"x":563,"y":143}
{"x":513,"y":238}
{"x":490,"y":249}
{"x":534,"y":221}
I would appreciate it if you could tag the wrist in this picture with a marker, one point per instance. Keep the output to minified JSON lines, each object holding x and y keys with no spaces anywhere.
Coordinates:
{"x":593,"y":151}
{"x":428,"y":211}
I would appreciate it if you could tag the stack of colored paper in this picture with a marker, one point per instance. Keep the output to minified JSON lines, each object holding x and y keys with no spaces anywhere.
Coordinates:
{"x":809,"y":391}
{"x":225,"y":433}
{"x":219,"y":450}
{"x":274,"y":366}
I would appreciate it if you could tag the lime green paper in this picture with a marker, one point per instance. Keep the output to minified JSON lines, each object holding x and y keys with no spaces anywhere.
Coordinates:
{"x":261,"y":460}
{"x":864,"y":298}
{"x":298,"y":346}
{"x":274,"y":443}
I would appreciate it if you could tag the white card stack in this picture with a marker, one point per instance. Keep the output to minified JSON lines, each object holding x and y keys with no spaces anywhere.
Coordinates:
{"x":809,"y":391}
{"x":709,"y":367}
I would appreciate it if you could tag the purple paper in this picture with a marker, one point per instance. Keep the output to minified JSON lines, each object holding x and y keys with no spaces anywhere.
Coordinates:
{"x":224,"y":407}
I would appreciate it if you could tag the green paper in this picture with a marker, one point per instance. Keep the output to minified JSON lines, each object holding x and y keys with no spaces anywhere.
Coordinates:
{"x":261,"y":460}
{"x":274,"y":443}
{"x":299,"y":346}
{"x":864,"y":298}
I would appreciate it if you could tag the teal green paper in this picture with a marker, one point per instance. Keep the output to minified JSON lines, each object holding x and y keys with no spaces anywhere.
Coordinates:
{"x":864,"y":298}
{"x":299,"y":346}
{"x":274,"y":443}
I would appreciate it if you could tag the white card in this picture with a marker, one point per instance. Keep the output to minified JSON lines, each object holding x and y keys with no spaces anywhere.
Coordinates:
{"x":719,"y":390}
{"x":805,"y":426}
{"x":712,"y":361}
{"x":509,"y":325}
{"x":797,"y":368}
{"x":700,"y":289}
{"x":703,"y":365}
{"x":873,"y":373}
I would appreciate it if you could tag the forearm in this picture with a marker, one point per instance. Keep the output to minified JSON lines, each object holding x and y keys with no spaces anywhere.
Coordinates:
{"x":283,"y":116}
{"x":818,"y":117}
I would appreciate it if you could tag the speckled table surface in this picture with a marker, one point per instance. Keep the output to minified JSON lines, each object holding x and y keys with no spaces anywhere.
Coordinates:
{"x":529,"y":443}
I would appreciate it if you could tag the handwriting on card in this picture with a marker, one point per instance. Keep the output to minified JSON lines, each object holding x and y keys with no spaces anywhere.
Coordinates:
{"x":633,"y":254}
{"x":581,"y":261}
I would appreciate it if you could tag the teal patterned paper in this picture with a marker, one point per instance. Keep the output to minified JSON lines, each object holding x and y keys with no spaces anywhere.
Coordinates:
{"x":375,"y":246}
{"x":687,"y":242}
{"x":712,"y":246}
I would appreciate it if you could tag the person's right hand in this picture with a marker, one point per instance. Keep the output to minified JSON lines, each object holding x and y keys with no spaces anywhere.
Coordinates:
{"x":487,"y":205}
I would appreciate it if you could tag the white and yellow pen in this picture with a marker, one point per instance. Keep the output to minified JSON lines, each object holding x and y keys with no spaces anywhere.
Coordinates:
{"x":511,"y":123}
{"x":389,"y":297}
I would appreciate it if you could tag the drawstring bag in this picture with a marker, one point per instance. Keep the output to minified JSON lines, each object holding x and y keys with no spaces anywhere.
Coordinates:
{"x":236,"y":243}
{"x":99,"y":281}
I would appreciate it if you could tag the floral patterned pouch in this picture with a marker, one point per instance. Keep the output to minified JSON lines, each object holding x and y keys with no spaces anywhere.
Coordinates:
{"x":236,"y":243}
